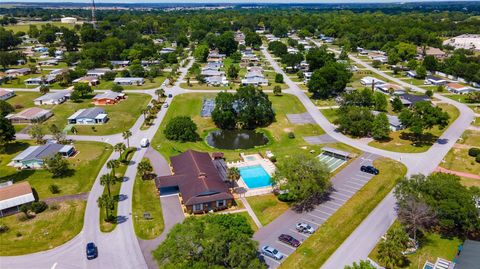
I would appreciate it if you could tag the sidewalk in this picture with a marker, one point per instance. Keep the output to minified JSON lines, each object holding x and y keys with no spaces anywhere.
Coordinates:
{"x":250,"y":212}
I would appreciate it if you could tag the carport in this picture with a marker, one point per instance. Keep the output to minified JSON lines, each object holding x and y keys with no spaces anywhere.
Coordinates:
{"x":339,"y":154}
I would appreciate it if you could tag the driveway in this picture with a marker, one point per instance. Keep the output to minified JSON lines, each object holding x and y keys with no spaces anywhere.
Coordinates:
{"x":345,"y":184}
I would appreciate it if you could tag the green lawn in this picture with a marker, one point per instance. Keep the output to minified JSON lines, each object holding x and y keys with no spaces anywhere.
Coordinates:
{"x":267,"y":207}
{"x":470,"y":137}
{"x":18,"y":82}
{"x":317,"y":248}
{"x":190,"y":105}
{"x":85,"y":167}
{"x":431,"y":246}
{"x":47,"y":230}
{"x":458,"y":160}
{"x":23,"y":99}
{"x":122,"y":115}
{"x":400,"y":140}
{"x":470,"y":182}
{"x":25,"y":27}
{"x":157,"y":82}
{"x":146,"y":199}
{"x":115,"y":191}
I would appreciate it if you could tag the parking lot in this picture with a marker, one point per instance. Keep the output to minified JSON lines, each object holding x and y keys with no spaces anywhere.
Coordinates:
{"x":345,"y":184}
{"x":332,"y":162}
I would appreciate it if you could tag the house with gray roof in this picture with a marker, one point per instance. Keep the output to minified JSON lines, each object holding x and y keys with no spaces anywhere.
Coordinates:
{"x":255,"y":78}
{"x":394,"y":121}
{"x":52,"y":98}
{"x":30,"y":115}
{"x":216,"y":81}
{"x":93,"y":115}
{"x":129,"y":81}
{"x":33,"y":157}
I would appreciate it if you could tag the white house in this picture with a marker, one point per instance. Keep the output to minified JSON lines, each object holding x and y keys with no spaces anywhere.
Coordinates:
{"x":368,"y":81}
{"x":17,"y":72}
{"x":97,"y":72}
{"x":129,"y":81}
{"x":12,"y":196}
{"x":216,"y":81}
{"x":460,"y":89}
{"x":69,"y":20}
{"x":211,"y":73}
{"x":435,"y":80}
{"x":256,"y":78}
{"x":6,"y":94}
{"x":93,"y":115}
{"x":52,"y":98}
{"x":390,"y":88}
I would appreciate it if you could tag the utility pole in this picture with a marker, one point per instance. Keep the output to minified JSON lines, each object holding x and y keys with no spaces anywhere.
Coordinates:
{"x":94,"y":19}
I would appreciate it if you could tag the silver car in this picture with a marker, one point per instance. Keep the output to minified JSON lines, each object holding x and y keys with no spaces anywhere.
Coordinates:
{"x":272,"y":252}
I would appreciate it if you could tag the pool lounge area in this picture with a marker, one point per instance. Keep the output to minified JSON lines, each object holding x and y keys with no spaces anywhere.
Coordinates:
{"x":255,"y":174}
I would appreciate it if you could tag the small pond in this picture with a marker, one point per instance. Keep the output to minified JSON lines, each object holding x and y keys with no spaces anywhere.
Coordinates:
{"x":236,"y":139}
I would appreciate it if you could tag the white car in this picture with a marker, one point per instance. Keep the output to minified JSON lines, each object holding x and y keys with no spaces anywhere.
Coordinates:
{"x":272,"y":252}
{"x":144,"y":143}
{"x":165,"y":105}
{"x":305,"y":228}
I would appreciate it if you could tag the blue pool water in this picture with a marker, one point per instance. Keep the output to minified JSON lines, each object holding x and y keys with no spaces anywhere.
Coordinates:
{"x":255,"y":176}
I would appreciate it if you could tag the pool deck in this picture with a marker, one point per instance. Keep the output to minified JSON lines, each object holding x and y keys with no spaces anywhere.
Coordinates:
{"x":253,"y":160}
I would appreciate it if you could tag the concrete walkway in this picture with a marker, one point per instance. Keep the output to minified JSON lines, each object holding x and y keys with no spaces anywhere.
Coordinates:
{"x":251,"y":213}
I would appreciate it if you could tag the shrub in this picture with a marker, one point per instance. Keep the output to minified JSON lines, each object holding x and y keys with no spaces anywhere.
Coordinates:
{"x":22,"y":217}
{"x":278,"y":78}
{"x":273,"y":159}
{"x":4,"y":228}
{"x":18,"y":234}
{"x":54,"y":189}
{"x":182,"y":129}
{"x":54,"y":207}
{"x":477,"y":159}
{"x":38,"y":207}
{"x":474,"y":152}
{"x":285,"y":197}
{"x":291,"y":135}
{"x":117,"y":88}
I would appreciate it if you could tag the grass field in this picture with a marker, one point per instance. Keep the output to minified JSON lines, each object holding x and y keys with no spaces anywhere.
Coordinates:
{"x":85,"y":166}
{"x":23,"y":99}
{"x":145,"y":199}
{"x":317,"y":248}
{"x":122,"y":115}
{"x":190,"y":105}
{"x":400,"y":141}
{"x":47,"y":230}
{"x":115,"y":191}
{"x":267,"y":207}
{"x":471,"y":138}
{"x":458,"y":160}
{"x":25,"y":26}
{"x":432,"y":245}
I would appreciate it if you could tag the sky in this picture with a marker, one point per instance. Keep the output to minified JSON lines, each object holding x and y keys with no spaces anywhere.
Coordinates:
{"x":232,"y":1}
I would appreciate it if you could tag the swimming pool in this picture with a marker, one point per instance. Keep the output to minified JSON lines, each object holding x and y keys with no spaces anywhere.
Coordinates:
{"x":255,"y":176}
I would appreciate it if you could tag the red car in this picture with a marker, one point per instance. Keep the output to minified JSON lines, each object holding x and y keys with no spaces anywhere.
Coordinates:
{"x":290,"y":240}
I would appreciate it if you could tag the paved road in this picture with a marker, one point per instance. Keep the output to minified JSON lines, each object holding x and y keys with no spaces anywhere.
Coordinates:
{"x":345,"y":184}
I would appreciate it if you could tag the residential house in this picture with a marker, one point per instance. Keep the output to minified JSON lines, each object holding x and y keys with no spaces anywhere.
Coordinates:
{"x":167,"y":50}
{"x":33,"y":157}
{"x":208,"y":72}
{"x":41,"y":80}
{"x":390,"y":88}
{"x":149,"y":63}
{"x":254,"y":77}
{"x":460,"y":89}
{"x":40,"y":49}
{"x":214,"y":65}
{"x":199,"y":180}
{"x":50,"y":62}
{"x":6,"y":94}
{"x":93,"y":115}
{"x":108,"y":98}
{"x":30,"y":115}
{"x":214,"y":56}
{"x":409,"y":100}
{"x":431,"y":51}
{"x":97,"y":72}
{"x":369,"y":81}
{"x":13,"y":196}
{"x":118,"y":64}
{"x":52,"y":98}
{"x":17,"y":72}
{"x":435,"y":80}
{"x":92,"y":81}
{"x":240,"y":38}
{"x":467,"y":257}
{"x":129,"y":81}
{"x":411,"y":73}
{"x":216,"y":81}
{"x":393,"y":121}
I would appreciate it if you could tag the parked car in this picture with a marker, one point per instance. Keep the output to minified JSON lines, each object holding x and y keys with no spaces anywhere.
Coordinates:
{"x":92,"y":251}
{"x":170,"y":95}
{"x":305,"y":228}
{"x":369,"y":169}
{"x":289,"y":240}
{"x":144,"y":142}
{"x":165,"y":105}
{"x":272,"y":252}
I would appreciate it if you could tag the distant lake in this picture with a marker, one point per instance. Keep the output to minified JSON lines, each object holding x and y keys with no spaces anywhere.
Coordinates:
{"x":236,"y":139}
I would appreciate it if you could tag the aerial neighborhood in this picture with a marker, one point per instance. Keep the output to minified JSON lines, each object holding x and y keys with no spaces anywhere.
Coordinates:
{"x":240,"y":135}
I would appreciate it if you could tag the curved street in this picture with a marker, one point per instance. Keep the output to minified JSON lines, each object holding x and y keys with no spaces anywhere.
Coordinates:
{"x":121,"y":248}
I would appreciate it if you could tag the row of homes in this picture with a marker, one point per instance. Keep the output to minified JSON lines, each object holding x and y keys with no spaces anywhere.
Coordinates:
{"x":211,"y":72}
{"x":255,"y":77}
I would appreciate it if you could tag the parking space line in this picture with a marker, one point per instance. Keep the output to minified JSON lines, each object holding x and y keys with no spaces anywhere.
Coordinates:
{"x":345,"y":190}
{"x":335,"y":203}
{"x":350,"y":187}
{"x":329,"y":214}
{"x":364,"y":176}
{"x":341,"y":199}
{"x":297,"y":232}
{"x":306,"y":220}
{"x":317,"y":217}
{"x":342,"y":194}
{"x":286,"y":245}
{"x":356,"y":183}
{"x":327,"y":206}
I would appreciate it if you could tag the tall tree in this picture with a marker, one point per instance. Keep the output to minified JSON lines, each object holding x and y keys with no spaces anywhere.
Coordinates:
{"x":145,"y":168}
{"x":106,"y":202}
{"x":380,"y":127}
{"x":329,"y":80}
{"x":423,"y":116}
{"x":233,"y":175}
{"x":57,"y":165}
{"x":415,"y":215}
{"x":120,"y":148}
{"x":112,"y":164}
{"x":108,"y":180}
{"x":37,"y":133}
{"x":7,"y":132}
{"x":126,"y":135}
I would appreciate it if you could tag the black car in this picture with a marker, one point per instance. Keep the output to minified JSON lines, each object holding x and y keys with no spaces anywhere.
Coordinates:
{"x":92,"y":251}
{"x":290,"y":240}
{"x":369,"y":169}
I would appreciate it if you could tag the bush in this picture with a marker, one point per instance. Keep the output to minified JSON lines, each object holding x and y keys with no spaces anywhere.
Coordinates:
{"x":22,"y":217}
{"x":54,"y":189}
{"x":291,"y":135}
{"x":285,"y":197}
{"x":278,"y":78}
{"x":18,"y":234}
{"x":3,"y":228}
{"x":54,"y":207}
{"x":181,"y":129}
{"x":273,"y":159}
{"x":474,"y":152}
{"x":477,"y":159}
{"x":38,"y":207}
{"x":117,"y":88}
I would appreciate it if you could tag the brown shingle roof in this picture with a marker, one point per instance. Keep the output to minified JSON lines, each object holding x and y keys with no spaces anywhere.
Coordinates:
{"x":196,"y":177}
{"x":15,"y":190}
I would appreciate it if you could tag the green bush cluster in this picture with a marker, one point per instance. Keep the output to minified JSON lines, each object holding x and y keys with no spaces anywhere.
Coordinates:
{"x":475,"y":152}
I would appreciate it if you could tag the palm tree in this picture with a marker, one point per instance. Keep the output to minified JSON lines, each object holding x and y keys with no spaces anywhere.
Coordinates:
{"x":107,"y":180}
{"x":119,"y":147}
{"x":233,"y":175}
{"x":126,"y":135}
{"x":112,"y":164}
{"x":73,"y":130}
{"x":144,"y":168}
{"x":105,"y":202}
{"x":159,"y":92}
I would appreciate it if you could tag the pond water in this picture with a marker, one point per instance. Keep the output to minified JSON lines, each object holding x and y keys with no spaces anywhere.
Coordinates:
{"x":236,"y":139}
